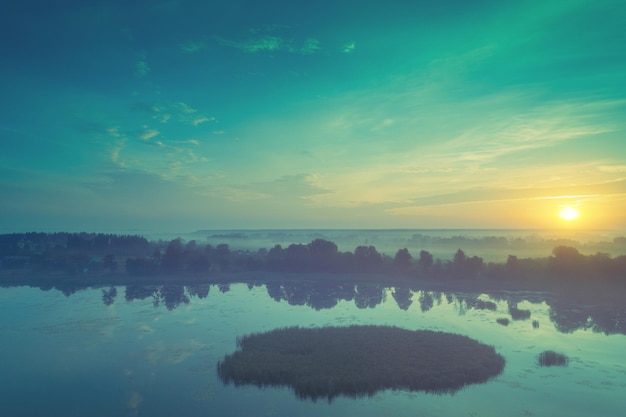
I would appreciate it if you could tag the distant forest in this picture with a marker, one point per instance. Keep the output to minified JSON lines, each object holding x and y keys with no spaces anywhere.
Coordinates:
{"x":583,"y":291}
{"x":98,"y":258}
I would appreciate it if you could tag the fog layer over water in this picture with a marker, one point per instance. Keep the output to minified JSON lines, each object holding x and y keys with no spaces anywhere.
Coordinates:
{"x":490,"y":244}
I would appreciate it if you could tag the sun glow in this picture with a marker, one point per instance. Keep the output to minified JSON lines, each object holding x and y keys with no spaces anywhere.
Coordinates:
{"x":569,"y":213}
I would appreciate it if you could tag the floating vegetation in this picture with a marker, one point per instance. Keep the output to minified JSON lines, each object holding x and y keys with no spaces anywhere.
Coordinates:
{"x":551,"y":358}
{"x":517,"y":314}
{"x":535,"y":324}
{"x":503,"y":321}
{"x":359,"y":360}
{"x":481,"y":304}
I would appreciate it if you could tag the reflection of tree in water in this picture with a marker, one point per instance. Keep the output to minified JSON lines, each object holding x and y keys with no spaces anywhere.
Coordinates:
{"x":317,"y":295}
{"x":369,"y":295}
{"x":201,"y":291}
{"x":516,"y":313}
{"x":569,"y":316}
{"x":569,"y":312}
{"x":426,"y":301}
{"x":173,"y":296}
{"x":139,"y":292}
{"x":108,"y":296}
{"x":170,"y":295}
{"x":403,"y":297}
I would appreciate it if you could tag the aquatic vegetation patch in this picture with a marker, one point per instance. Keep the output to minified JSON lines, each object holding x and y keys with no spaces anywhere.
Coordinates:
{"x":517,"y":314}
{"x":356,"y":361}
{"x":552,"y":358}
{"x":503,"y":321}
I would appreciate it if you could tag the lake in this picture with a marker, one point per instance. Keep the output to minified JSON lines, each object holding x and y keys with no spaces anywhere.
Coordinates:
{"x":76,"y":356}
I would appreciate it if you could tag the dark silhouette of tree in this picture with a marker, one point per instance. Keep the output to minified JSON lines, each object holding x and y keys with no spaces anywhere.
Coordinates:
{"x":426,"y":260}
{"x":199,"y":262}
{"x":323,"y":254}
{"x":512,"y":265}
{"x":141,"y":266}
{"x":276,"y":258}
{"x":367,"y":258}
{"x":173,"y":261}
{"x":297,"y":257}
{"x":566,"y":261}
{"x":464,"y":267}
{"x":110,"y":263}
{"x":223,"y":255}
{"x":403,"y":260}
{"x":474,"y":266}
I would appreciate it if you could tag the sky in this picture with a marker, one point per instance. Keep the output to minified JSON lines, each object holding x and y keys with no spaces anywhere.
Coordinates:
{"x":244,"y":114}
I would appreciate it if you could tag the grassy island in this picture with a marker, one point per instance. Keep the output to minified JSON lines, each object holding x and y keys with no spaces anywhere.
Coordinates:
{"x":552,"y":358}
{"x":359,"y":360}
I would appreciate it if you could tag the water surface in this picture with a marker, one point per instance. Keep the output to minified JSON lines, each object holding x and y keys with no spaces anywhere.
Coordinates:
{"x":75,"y":356}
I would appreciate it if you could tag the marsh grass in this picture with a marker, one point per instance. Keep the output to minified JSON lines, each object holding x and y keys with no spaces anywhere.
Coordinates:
{"x":552,"y":358}
{"x":503,"y":321}
{"x":517,"y":314}
{"x":359,"y":360}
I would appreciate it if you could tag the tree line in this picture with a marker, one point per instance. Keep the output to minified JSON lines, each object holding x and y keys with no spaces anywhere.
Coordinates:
{"x":93,"y":254}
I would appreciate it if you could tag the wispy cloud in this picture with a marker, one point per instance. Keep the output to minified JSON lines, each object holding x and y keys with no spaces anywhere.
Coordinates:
{"x":141,"y":67}
{"x":149,"y":134}
{"x":273,"y":43}
{"x":349,"y":47}
{"x":192,"y":46}
{"x":203,"y":119}
{"x":613,"y":169}
{"x":486,"y":194}
{"x":287,"y":189}
{"x":175,"y":112}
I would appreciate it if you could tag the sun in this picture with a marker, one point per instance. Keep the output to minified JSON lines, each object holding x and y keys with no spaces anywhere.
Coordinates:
{"x":569,"y":213}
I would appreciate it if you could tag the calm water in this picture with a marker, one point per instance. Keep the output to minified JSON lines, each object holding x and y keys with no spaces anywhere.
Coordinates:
{"x":75,"y":356}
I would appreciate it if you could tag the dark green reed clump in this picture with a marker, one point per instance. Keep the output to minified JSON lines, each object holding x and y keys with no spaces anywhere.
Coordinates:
{"x":359,"y":360}
{"x":503,"y":321}
{"x":551,"y":358}
{"x":517,"y":314}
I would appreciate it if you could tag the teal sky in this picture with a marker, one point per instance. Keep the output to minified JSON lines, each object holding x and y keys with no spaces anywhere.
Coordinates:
{"x":181,"y":115}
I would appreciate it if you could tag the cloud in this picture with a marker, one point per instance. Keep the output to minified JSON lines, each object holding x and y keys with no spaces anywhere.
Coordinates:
{"x":113,"y":131}
{"x":203,"y":119}
{"x":184,"y":108}
{"x":285,"y":189}
{"x":149,"y":134}
{"x":265,"y":43}
{"x":116,"y":150}
{"x":141,"y":67}
{"x":191,"y":46}
{"x":488,"y":194}
{"x":349,"y":48}
{"x":310,"y":46}
{"x":613,"y":169}
{"x":194,"y":142}
{"x":174,"y":111}
{"x":273,"y":43}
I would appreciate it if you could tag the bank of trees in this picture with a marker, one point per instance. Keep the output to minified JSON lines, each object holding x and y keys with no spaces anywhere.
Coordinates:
{"x":88,"y":254}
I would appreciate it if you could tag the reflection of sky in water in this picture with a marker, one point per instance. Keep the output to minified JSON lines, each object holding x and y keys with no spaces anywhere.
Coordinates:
{"x":76,"y":357}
